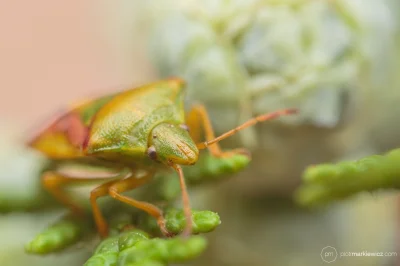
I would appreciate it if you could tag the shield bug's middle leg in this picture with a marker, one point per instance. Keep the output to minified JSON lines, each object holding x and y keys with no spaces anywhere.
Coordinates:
{"x":133,"y":182}
{"x":98,"y":217}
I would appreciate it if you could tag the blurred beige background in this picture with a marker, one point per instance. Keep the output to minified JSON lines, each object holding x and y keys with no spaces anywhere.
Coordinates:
{"x":54,"y":52}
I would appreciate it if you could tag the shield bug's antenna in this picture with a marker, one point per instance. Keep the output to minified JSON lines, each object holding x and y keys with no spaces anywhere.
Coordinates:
{"x":249,"y":123}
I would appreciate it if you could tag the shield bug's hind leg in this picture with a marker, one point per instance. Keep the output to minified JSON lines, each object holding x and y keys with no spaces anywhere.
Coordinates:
{"x":199,"y":115}
{"x":55,"y":183}
{"x":133,"y":182}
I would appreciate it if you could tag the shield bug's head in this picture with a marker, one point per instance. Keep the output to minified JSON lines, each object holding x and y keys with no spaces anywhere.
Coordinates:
{"x":172,"y":144}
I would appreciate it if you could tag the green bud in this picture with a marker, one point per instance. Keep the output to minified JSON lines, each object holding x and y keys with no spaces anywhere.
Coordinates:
{"x":107,"y":259}
{"x":58,"y":236}
{"x":130,"y":238}
{"x":327,"y":182}
{"x":108,"y":245}
{"x":203,"y":221}
{"x":180,"y":249}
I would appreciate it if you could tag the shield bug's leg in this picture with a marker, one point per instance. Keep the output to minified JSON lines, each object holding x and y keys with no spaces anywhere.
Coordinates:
{"x":186,"y":202}
{"x":199,"y":114}
{"x":54,"y":182}
{"x":198,"y":119}
{"x":133,"y":182}
{"x":195,"y":120}
{"x":98,"y":217}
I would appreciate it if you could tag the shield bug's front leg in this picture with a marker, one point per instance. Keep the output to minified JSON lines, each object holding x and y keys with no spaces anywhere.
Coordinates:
{"x":133,"y":182}
{"x":199,"y":115}
{"x":186,"y":202}
{"x":198,"y":119}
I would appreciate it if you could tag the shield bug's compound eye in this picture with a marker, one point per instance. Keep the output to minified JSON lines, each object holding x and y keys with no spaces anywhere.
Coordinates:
{"x":151,"y":152}
{"x":185,"y":127}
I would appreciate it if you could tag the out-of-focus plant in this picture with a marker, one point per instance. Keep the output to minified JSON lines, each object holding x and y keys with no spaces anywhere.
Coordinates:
{"x":68,"y":230}
{"x":324,"y":183}
{"x":17,"y":191}
{"x":245,"y":57}
{"x":126,"y":246}
{"x":135,"y":248}
{"x":336,"y":61}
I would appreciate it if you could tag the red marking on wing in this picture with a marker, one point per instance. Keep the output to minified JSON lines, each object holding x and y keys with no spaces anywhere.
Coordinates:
{"x":74,"y":129}
{"x":69,"y":124}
